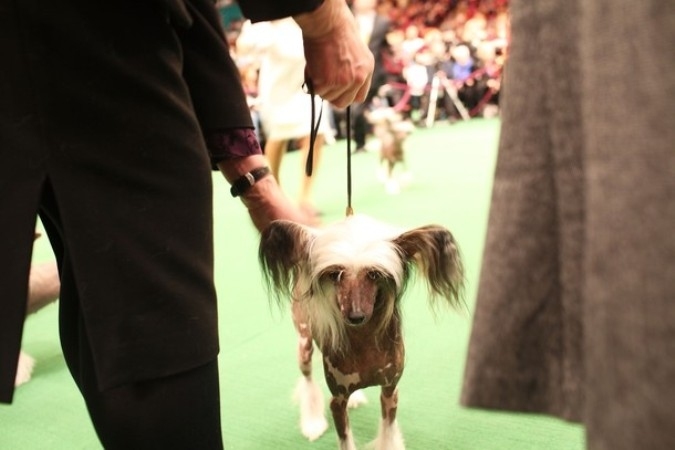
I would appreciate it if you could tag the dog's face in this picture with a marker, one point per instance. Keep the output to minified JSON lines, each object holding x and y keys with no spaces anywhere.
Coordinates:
{"x":356,"y":292}
{"x":355,"y":271}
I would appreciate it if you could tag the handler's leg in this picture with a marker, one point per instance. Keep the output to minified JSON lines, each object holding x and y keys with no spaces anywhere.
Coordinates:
{"x":180,"y":411}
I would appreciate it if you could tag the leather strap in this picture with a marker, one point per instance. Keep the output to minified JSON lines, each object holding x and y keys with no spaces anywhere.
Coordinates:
{"x":244,"y":183}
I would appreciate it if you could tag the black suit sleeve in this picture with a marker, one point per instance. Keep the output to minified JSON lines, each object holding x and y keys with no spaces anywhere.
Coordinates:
{"x":210,"y":73}
{"x":259,"y":10}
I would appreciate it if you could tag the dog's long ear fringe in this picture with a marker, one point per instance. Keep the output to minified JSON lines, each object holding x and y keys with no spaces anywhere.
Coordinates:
{"x":282,"y":252}
{"x":434,"y":252}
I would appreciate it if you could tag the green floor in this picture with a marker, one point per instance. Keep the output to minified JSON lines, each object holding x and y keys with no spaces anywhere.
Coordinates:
{"x":452,"y":169}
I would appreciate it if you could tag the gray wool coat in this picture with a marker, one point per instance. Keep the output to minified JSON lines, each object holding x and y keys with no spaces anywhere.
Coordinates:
{"x":575,"y":315}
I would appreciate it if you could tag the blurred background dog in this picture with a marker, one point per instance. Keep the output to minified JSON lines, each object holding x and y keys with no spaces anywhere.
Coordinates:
{"x":390,"y":129}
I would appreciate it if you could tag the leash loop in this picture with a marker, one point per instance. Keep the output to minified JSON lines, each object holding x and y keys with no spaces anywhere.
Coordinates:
{"x":314,"y":131}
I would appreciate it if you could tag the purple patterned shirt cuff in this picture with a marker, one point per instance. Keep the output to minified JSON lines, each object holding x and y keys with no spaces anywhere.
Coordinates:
{"x":232,"y":143}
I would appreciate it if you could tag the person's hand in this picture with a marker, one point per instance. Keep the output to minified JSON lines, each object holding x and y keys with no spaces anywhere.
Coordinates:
{"x":339,"y":64}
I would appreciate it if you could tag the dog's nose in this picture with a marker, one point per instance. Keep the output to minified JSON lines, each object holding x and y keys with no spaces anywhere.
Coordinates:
{"x":356,"y":318}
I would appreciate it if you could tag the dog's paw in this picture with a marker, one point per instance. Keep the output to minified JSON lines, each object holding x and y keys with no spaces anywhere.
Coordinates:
{"x":392,"y":187}
{"x":24,"y":369}
{"x":381,"y":174}
{"x":313,"y":427}
{"x":348,"y":442}
{"x":389,"y":437}
{"x":357,"y":399}
{"x":313,"y":421}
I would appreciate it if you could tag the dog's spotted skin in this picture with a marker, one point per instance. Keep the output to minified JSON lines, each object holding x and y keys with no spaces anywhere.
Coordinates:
{"x":346,"y":282}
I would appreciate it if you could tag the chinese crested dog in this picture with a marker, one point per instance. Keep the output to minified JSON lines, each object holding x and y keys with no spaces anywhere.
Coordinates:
{"x":346,"y":282}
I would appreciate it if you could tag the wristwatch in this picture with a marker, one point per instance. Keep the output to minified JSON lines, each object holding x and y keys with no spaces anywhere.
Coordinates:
{"x":243,"y":183}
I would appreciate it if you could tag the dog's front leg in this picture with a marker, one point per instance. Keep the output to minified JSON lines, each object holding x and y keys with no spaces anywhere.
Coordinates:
{"x":338,"y":407}
{"x":309,"y":395}
{"x":305,"y":344}
{"x":389,"y":436}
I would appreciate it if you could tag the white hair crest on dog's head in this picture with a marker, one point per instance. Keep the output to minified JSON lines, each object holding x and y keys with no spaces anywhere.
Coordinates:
{"x":286,"y":247}
{"x":357,"y":242}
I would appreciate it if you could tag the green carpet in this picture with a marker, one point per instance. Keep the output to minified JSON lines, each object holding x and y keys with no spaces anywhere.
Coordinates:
{"x":452,"y":170}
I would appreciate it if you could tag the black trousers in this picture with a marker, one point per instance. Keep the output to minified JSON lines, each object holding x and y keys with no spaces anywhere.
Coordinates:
{"x":181,"y":411}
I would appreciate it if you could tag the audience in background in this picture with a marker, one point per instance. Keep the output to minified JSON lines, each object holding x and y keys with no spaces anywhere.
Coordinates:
{"x":458,"y":44}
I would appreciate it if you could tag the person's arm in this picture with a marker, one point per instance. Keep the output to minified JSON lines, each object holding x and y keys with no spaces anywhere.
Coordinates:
{"x":220,"y":104}
{"x":339,"y":64}
{"x":210,"y":73}
{"x":264,"y":199}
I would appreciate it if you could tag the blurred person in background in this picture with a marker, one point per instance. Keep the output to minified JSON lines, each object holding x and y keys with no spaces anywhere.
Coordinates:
{"x":283,"y":105}
{"x":373,"y":29}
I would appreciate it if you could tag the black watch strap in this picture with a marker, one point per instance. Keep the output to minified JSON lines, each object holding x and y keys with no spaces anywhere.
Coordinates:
{"x":243,"y":183}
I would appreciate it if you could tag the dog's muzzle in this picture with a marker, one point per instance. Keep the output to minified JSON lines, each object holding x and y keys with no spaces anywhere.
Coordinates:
{"x":356,"y":318}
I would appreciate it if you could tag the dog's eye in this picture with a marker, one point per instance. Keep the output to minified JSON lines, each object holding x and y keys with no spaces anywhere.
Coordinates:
{"x":335,"y":275}
{"x":374,"y":275}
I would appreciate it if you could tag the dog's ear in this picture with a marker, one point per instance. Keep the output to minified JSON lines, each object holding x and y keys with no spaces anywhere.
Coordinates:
{"x":284,"y":246}
{"x":434,"y":251}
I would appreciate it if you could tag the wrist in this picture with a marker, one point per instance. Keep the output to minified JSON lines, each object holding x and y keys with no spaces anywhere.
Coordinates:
{"x":245,"y":182}
{"x":235,"y":168}
{"x":323,"y":20}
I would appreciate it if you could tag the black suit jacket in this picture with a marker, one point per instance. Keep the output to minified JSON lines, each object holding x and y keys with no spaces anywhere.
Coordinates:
{"x":103,"y":106}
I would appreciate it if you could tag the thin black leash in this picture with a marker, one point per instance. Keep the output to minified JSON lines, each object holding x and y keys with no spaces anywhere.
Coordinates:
{"x":314,"y":131}
{"x":349,"y":211}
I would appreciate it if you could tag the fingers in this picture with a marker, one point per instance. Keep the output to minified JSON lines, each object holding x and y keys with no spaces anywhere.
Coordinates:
{"x":344,"y":87}
{"x":357,"y":93}
{"x":340,"y":65}
{"x":363,"y":92}
{"x":343,"y":97}
{"x":338,"y":61}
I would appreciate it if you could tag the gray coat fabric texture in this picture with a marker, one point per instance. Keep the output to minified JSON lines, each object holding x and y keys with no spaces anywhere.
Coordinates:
{"x":575,"y":315}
